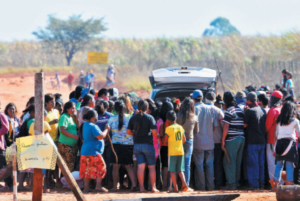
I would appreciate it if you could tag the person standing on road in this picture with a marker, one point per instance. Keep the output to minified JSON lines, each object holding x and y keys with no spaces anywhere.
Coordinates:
{"x":189,"y":121}
{"x":143,"y":126}
{"x":254,"y":123}
{"x":210,"y":99}
{"x":204,"y":143}
{"x":275,"y":104}
{"x":58,"y":81}
{"x":70,"y":80}
{"x":233,"y":140}
{"x":81,"y":78}
{"x":111,"y":74}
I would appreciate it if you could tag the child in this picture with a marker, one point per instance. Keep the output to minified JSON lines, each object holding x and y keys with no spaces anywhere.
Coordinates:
{"x":289,"y":83}
{"x":176,"y":139}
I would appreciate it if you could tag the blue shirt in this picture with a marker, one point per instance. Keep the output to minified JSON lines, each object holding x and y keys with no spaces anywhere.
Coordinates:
{"x":289,"y":83}
{"x":91,"y":145}
{"x":74,"y":100}
{"x":103,"y":119}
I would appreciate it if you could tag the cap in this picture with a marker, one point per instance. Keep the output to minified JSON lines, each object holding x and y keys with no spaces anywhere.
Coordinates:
{"x":277,"y":94}
{"x":60,"y":101}
{"x":240,"y":95}
{"x":210,"y":96}
{"x":197,"y":94}
{"x":252,"y":97}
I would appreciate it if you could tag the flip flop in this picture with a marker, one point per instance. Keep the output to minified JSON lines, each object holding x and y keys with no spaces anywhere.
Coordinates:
{"x":102,"y":190}
{"x":186,"y":189}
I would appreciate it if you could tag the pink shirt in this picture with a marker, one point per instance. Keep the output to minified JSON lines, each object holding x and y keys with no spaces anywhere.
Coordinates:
{"x":3,"y":130}
{"x":157,"y":142}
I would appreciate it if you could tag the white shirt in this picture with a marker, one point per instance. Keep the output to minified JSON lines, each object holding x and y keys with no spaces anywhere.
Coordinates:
{"x":289,"y":130}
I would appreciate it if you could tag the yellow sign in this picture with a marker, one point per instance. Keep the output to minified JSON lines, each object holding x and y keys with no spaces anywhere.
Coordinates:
{"x":97,"y":58}
{"x":36,"y":152}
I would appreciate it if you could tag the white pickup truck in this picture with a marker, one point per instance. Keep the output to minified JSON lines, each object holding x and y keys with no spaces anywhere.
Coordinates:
{"x":180,"y":82}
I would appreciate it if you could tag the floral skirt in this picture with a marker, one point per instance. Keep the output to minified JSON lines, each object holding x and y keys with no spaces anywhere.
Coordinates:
{"x":69,"y":154}
{"x":92,"y":167}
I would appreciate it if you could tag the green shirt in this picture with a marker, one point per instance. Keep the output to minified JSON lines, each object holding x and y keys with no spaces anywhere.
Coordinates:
{"x":68,"y":122}
{"x":29,"y":122}
{"x":78,"y":106}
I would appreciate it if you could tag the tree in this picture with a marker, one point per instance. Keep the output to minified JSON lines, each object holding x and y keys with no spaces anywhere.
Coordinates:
{"x":221,"y":27}
{"x":70,"y":35}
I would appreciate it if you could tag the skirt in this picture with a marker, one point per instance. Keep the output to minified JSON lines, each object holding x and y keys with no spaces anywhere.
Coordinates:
{"x":92,"y":167}
{"x":69,"y":154}
{"x":124,"y":154}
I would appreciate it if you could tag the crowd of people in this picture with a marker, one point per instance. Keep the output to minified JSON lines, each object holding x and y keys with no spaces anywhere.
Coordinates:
{"x":235,"y":141}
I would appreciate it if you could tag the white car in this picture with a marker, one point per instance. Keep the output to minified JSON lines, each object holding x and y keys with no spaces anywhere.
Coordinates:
{"x":180,"y":82}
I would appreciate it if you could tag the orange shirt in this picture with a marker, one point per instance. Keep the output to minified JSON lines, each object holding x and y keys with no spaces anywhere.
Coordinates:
{"x":164,"y":140}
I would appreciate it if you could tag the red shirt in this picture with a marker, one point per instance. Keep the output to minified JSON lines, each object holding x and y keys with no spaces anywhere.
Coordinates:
{"x":70,"y":78}
{"x":271,"y":123}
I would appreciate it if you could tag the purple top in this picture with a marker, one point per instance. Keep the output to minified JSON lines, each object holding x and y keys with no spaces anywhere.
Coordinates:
{"x":3,"y":130}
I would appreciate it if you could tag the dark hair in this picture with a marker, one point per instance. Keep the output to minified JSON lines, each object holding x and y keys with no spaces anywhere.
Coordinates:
{"x":72,"y":95}
{"x":176,"y":105}
{"x":290,"y":98}
{"x":284,"y":71}
{"x":93,"y":92}
{"x":275,"y":102}
{"x":102,"y":91}
{"x":142,"y":107}
{"x":90,"y":114}
{"x":158,"y":105}
{"x":78,"y":90}
{"x":57,"y":96}
{"x":229,"y":99}
{"x":290,"y":74}
{"x":288,"y":112}
{"x":8,"y":106}
{"x":86,"y":100}
{"x":31,"y":100}
{"x":120,"y":109}
{"x":67,"y":106}
{"x":49,"y":97}
{"x":277,"y":86}
{"x":165,"y":108}
{"x":111,"y":105}
{"x":284,"y":92}
{"x":101,"y":106}
{"x":187,"y":109}
{"x":263,"y":99}
{"x":31,"y":108}
{"x":153,"y":108}
{"x":171,"y":116}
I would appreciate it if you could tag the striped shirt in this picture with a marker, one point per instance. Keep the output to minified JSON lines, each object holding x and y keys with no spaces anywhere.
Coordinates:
{"x":234,"y":116}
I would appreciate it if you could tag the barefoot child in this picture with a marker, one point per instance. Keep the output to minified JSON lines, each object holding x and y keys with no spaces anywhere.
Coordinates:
{"x":176,"y":139}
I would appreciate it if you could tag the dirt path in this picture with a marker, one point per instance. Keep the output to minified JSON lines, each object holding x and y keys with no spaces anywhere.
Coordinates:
{"x":67,"y":195}
{"x":18,"y":88}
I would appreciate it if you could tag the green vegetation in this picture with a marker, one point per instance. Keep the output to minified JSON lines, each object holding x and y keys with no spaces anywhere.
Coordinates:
{"x":70,"y":36}
{"x":221,"y":27}
{"x":8,"y":70}
{"x":138,"y":83}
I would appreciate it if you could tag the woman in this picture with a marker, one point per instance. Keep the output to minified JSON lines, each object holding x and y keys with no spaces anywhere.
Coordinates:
{"x":143,"y":126}
{"x":166,"y":107}
{"x":67,"y":143}
{"x":126,"y":99}
{"x":88,"y":102}
{"x":154,"y":112}
{"x":103,"y":117}
{"x":92,"y":165}
{"x":285,"y":138}
{"x":14,"y":123}
{"x":189,"y":121}
{"x":122,"y":144}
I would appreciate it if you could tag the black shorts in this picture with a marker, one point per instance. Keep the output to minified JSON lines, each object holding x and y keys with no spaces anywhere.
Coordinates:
{"x":164,"y":156}
{"x":124,"y":154}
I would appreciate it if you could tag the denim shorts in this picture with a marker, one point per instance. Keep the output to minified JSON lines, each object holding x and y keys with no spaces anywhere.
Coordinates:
{"x":145,"y":153}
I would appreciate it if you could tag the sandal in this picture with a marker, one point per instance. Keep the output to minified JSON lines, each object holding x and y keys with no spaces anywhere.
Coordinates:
{"x":102,"y":190}
{"x":186,"y":189}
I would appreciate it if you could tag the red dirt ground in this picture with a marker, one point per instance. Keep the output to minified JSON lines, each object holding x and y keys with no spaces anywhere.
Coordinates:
{"x":18,"y":88}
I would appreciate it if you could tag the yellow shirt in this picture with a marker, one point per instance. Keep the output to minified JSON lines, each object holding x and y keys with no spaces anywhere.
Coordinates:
{"x":46,"y":128}
{"x":53,"y":115}
{"x":175,"y":133}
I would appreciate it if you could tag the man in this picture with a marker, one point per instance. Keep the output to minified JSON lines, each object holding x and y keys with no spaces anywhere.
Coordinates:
{"x":255,"y":119}
{"x":110,"y":76}
{"x":275,"y":105}
{"x":204,"y":143}
{"x":70,"y":80}
{"x":240,"y":98}
{"x":3,"y":130}
{"x":210,"y":99}
{"x":103,"y":94}
{"x":233,"y":140}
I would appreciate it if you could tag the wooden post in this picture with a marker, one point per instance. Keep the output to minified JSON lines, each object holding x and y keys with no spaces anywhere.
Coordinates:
{"x":37,"y":190}
{"x":69,"y":178}
{"x":15,"y":189}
